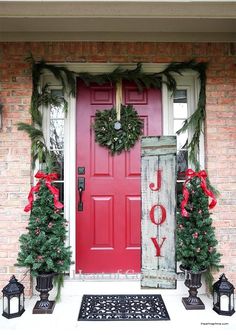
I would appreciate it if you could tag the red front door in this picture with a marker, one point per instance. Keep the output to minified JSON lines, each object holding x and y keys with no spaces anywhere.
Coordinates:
{"x":108,"y":227}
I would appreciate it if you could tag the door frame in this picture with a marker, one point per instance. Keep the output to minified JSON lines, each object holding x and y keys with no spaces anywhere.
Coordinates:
{"x":189,"y":81}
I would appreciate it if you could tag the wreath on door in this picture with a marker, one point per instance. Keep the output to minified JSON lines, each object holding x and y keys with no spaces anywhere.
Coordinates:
{"x":118,"y":134}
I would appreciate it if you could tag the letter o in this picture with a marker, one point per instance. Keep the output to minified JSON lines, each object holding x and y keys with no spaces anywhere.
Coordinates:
{"x":163,"y":215}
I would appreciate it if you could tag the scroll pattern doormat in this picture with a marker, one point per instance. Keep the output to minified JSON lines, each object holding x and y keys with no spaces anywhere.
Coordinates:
{"x":123,"y":307}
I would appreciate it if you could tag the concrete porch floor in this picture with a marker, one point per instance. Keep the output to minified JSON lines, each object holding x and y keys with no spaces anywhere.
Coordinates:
{"x":66,"y":313}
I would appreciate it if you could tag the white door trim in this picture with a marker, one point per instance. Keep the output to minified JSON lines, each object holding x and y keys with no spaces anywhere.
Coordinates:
{"x":188,"y":80}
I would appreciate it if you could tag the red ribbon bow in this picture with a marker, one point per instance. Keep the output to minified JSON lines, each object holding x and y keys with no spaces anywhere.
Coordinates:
{"x":201,"y":175}
{"x":48,"y":179}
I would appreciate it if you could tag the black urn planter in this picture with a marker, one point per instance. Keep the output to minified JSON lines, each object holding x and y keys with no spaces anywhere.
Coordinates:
{"x":44,"y":285}
{"x":193,"y":282}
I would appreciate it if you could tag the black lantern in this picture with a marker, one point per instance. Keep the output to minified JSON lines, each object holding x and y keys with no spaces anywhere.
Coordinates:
{"x":223,"y":296}
{"x":13,"y":299}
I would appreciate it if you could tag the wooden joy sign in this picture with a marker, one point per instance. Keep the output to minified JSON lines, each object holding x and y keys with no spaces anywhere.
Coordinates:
{"x":162,"y":218}
{"x":158,"y":211}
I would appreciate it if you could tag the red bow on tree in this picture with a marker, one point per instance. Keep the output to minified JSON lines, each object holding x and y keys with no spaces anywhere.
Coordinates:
{"x":202,"y":175}
{"x":48,"y":180}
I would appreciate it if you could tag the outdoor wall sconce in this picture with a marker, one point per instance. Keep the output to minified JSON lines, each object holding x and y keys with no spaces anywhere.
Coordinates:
{"x":223,"y":296}
{"x":13,"y":299}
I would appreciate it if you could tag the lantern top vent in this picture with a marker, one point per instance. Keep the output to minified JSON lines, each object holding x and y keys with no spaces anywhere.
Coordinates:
{"x":13,"y":287}
{"x":223,"y":284}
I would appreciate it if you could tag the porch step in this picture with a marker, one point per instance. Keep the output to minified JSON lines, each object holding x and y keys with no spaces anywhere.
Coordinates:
{"x":73,"y":286}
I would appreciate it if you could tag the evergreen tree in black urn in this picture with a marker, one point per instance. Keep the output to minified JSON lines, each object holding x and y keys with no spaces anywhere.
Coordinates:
{"x":43,"y":249}
{"x":196,"y":240}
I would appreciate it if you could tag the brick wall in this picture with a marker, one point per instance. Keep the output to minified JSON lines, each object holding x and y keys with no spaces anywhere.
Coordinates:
{"x":15,"y":92}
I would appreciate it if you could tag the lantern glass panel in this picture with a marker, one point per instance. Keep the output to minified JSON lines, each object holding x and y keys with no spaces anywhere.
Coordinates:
{"x":14,"y":305}
{"x":232,"y":301}
{"x":21,"y":301}
{"x":215,"y":298}
{"x":5,"y":305}
{"x":224,"y":303}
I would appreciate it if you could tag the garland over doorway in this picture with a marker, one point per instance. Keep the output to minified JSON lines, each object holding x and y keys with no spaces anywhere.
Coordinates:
{"x":44,"y":97}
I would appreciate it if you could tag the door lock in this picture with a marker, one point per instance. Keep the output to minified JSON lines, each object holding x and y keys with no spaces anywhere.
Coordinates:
{"x":81,"y":170}
{"x":81,"y":183}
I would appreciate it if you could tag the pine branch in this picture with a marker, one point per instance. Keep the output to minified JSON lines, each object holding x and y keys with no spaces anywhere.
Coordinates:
{"x":136,"y":75}
{"x":62,"y":74}
{"x":39,"y":150}
{"x":209,"y":277}
{"x":59,"y":282}
{"x":45,"y":98}
{"x":142,"y":80}
{"x":196,"y":241}
{"x":34,"y":133}
{"x":196,"y":121}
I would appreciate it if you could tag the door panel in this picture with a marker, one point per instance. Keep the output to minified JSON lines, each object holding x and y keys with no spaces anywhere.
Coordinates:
{"x":108,"y":228}
{"x":103,"y":222}
{"x":132,"y":216}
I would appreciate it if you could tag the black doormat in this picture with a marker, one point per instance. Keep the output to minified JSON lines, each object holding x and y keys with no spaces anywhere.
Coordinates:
{"x":123,"y":307}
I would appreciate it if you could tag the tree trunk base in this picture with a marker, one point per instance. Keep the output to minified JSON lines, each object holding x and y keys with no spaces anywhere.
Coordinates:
{"x":193,"y":304}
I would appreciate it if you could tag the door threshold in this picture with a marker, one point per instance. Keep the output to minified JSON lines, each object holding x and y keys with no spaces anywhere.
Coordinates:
{"x":106,"y":276}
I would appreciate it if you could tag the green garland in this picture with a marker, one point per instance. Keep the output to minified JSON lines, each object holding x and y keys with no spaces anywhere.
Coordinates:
{"x":196,"y":121}
{"x":142,"y":80}
{"x":114,"y":135}
{"x":40,"y":98}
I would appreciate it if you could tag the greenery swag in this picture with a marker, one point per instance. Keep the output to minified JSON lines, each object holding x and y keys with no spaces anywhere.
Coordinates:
{"x":67,"y":78}
{"x":114,"y":135}
{"x":44,"y":97}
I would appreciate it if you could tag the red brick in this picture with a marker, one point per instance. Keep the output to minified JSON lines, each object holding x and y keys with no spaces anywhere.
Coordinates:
{"x":220,"y":135}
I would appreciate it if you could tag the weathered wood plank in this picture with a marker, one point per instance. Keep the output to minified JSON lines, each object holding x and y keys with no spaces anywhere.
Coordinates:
{"x":158,"y":187}
{"x":158,"y":145}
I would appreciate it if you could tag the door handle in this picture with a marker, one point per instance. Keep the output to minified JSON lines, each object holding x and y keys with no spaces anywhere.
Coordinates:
{"x":80,"y":205}
{"x":81,"y":187}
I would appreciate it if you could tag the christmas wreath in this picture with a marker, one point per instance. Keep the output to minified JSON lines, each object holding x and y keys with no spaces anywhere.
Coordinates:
{"x":117,"y":135}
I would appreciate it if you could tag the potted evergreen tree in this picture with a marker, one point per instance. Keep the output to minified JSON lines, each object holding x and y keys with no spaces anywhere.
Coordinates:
{"x":42,"y":248}
{"x":196,"y":242}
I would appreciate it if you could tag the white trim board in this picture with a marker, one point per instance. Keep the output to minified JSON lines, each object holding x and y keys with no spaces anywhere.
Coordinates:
{"x":133,"y":8}
{"x":61,"y":36}
{"x":157,"y":21}
{"x":188,"y":81}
